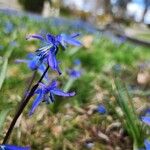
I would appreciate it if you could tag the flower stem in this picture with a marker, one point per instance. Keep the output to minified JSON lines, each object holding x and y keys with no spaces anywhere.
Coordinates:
{"x":22,"y":106}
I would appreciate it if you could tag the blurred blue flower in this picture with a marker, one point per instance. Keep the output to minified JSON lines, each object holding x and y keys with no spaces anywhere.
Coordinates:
{"x":147,"y":144}
{"x":147,"y":111}
{"x":122,"y":39}
{"x":101,"y":109}
{"x":8,"y":27}
{"x":77,"y":62}
{"x":13,"y":147}
{"x":146,"y":119}
{"x":74,"y":73}
{"x":51,"y":45}
{"x":13,"y":43}
{"x":47,"y":93}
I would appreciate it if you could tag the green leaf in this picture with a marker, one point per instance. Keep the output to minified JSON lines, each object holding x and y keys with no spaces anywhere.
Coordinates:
{"x":3,"y":72}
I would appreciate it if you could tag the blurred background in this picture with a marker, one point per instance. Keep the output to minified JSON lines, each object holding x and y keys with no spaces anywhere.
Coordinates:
{"x":115,"y":14}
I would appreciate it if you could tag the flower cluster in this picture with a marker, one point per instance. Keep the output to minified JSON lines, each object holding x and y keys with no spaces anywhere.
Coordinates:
{"x":46,"y":55}
{"x":46,"y":93}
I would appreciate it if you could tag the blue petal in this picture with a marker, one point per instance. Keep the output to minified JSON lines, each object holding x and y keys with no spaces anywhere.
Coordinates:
{"x":35,"y":36}
{"x":53,"y":62}
{"x":75,"y":35}
{"x":36,"y":102}
{"x":13,"y":147}
{"x":50,"y":38}
{"x":21,"y":61}
{"x":54,"y":84}
{"x":34,"y":63}
{"x":146,"y":119}
{"x":70,"y":40}
{"x":73,"y":42}
{"x":147,"y":144}
{"x":59,"y":92}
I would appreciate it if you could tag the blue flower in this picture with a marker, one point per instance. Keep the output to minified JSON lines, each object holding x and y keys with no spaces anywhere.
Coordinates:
{"x":46,"y":93}
{"x":101,"y":109}
{"x":74,"y":73}
{"x":8,"y":27}
{"x":77,"y":62}
{"x":13,"y":147}
{"x":51,"y":45}
{"x":147,"y":144}
{"x":146,"y":119}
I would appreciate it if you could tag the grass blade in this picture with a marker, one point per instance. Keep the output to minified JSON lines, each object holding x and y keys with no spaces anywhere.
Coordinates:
{"x":3,"y":115}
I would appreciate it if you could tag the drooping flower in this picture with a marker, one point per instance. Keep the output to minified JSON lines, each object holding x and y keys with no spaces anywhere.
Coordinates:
{"x":101,"y":109}
{"x":51,"y":45}
{"x":46,"y":93}
{"x":13,"y":147}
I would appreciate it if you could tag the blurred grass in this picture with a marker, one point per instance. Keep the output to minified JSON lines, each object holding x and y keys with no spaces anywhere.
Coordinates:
{"x":92,"y":88}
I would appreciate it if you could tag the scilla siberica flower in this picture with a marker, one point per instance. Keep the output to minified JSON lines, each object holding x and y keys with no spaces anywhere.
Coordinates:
{"x":13,"y":147}
{"x":51,"y":45}
{"x":46,"y":93}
